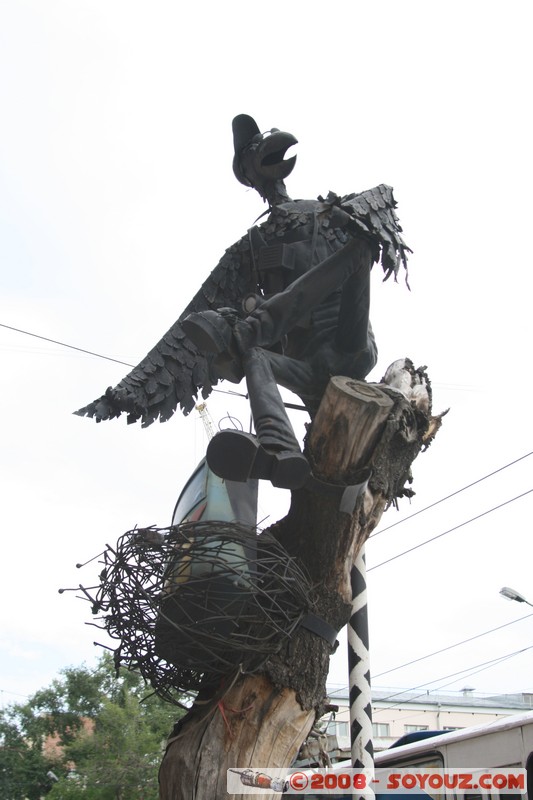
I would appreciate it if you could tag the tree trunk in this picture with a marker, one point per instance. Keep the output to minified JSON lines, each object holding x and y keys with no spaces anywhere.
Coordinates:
{"x":364,"y":436}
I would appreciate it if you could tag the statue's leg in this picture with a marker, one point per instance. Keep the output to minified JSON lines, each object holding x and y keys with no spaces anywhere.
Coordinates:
{"x":302,"y":378}
{"x":265,"y":326}
{"x":281,"y":313}
{"x":271,"y":422}
{"x":274,"y":454}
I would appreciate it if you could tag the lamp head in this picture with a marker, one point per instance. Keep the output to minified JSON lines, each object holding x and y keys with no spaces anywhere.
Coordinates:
{"x":511,"y":594}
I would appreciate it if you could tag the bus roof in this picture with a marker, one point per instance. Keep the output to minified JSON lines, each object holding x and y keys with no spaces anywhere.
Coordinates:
{"x":449,"y":737}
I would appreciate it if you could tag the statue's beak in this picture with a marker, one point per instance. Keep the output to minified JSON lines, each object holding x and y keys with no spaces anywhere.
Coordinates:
{"x":269,"y":157}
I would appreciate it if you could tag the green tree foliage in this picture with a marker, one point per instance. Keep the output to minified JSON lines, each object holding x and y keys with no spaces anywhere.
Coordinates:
{"x":109,"y":739}
{"x":22,"y":768}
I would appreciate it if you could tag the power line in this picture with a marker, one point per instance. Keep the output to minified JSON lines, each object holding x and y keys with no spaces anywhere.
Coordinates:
{"x":458,"y":491}
{"x":450,"y":647}
{"x":491,"y":662}
{"x":64,"y":344}
{"x":289,"y":405}
{"x":483,"y":668}
{"x":428,"y":693}
{"x":17,"y":694}
{"x":450,"y":530}
{"x":437,"y":502}
{"x":115,"y":360}
{"x":477,"y":667}
{"x":426,"y":508}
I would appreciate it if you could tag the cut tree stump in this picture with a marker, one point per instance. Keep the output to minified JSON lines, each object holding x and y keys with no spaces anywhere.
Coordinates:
{"x":364,"y":436}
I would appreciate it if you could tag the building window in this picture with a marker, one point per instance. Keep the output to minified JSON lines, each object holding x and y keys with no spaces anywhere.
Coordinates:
{"x":342,"y":729}
{"x":415,"y":728}
{"x":380,"y":729}
{"x":450,"y":728}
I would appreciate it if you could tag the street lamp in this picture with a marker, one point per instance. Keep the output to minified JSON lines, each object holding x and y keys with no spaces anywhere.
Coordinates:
{"x":511,"y":594}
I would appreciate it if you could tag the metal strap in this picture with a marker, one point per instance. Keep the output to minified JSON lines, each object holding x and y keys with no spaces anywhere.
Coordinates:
{"x":320,"y":627}
{"x":347,"y":495}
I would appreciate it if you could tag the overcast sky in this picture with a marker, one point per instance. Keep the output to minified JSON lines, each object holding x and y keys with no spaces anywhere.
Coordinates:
{"x":117,"y":199}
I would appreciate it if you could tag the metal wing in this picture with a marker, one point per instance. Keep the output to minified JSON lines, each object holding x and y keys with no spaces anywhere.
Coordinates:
{"x":175,"y":370}
{"x":373,"y":212}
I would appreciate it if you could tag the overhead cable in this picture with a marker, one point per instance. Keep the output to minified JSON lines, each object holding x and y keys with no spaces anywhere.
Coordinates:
{"x":437,"y":652}
{"x":64,"y":344}
{"x":106,"y":358}
{"x":450,"y":647}
{"x":486,"y":665}
{"x":448,"y":496}
{"x":450,"y":530}
{"x":483,"y":664}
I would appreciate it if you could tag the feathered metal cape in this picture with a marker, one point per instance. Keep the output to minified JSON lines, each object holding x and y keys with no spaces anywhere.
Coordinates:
{"x":175,"y":371}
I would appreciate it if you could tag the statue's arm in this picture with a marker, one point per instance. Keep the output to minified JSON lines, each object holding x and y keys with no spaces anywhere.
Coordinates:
{"x":373,"y":213}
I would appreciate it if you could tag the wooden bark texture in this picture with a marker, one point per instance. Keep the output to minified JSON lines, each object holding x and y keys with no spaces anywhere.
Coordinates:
{"x":352,"y":414}
{"x":254,"y":725}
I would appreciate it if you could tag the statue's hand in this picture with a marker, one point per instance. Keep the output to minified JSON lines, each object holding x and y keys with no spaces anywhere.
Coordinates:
{"x":230,"y":315}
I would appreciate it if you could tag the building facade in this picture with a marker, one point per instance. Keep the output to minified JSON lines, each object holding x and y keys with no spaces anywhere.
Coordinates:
{"x":396,"y":712}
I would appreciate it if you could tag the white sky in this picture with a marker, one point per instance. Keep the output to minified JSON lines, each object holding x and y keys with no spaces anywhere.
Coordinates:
{"x":117,"y":199}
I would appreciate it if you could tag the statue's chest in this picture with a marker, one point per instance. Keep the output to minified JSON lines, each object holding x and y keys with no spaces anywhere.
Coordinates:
{"x":295,"y":237}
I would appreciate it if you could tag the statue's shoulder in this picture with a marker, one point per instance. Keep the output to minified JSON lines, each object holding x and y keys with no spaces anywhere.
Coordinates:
{"x":289,"y":216}
{"x":301,"y":206}
{"x":294,"y":209}
{"x":358,"y":203}
{"x":377,"y":199}
{"x":299,"y":218}
{"x":374,"y":213}
{"x":371,"y":213}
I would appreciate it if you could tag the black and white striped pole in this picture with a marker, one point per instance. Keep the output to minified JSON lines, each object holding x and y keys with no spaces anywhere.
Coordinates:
{"x":414,"y":385}
{"x":359,"y":671}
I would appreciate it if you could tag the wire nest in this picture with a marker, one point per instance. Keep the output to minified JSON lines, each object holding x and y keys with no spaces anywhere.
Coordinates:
{"x":192,"y":603}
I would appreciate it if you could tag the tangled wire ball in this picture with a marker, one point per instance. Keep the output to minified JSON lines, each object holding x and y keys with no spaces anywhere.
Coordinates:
{"x":191,"y":603}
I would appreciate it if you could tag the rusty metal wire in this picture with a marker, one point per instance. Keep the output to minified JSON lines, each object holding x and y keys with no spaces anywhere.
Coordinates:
{"x":193,"y":603}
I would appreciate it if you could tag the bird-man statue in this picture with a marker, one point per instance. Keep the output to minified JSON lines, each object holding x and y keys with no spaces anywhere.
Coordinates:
{"x":288,"y":304}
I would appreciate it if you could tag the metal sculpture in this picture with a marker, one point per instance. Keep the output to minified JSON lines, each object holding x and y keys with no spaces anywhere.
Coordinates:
{"x":194,"y":603}
{"x":287,"y":304}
